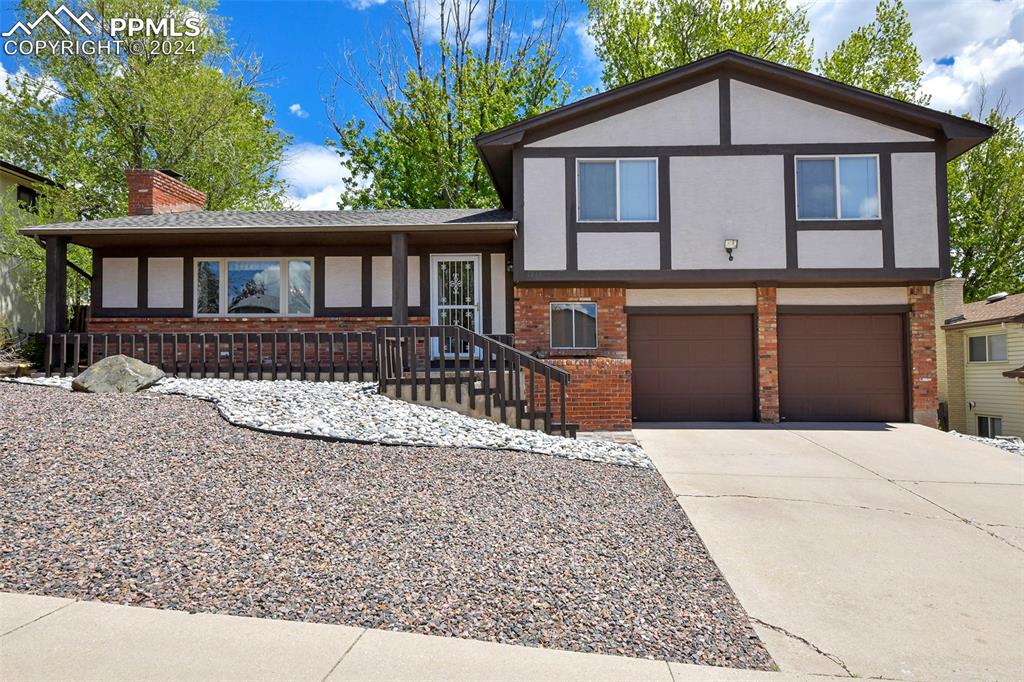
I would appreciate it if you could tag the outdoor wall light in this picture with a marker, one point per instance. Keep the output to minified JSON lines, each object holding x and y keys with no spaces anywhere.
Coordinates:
{"x":731,"y":244}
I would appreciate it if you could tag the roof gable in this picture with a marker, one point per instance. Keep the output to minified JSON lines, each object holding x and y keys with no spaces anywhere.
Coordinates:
{"x":958,"y":133}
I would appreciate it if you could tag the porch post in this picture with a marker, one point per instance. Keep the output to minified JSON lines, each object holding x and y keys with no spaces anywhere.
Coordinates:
{"x":56,"y":312}
{"x":399,"y":278}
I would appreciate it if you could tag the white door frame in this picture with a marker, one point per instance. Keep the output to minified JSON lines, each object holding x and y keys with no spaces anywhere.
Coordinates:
{"x":477,"y":285}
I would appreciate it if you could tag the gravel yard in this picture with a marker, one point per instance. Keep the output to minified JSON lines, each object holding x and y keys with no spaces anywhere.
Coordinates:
{"x":354,"y":411}
{"x":157,"y":501}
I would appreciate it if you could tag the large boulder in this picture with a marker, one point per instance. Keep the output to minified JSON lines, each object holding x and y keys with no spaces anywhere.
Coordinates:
{"x":117,"y":374}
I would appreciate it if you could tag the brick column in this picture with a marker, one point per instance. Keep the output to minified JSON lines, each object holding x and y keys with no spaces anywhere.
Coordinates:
{"x":923,"y":384}
{"x":767,"y":356}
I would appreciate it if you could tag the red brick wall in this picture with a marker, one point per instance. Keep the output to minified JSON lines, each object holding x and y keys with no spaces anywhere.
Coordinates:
{"x":150,"y":192}
{"x":600,"y":393}
{"x":767,"y":322}
{"x":533,"y":319}
{"x":924,"y":389}
{"x":599,"y":396}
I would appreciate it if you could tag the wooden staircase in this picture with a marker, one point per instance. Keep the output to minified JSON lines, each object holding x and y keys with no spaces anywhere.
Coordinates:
{"x":476,"y":375}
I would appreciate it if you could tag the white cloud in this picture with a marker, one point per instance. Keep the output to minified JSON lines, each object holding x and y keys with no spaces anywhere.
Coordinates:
{"x":956,"y":86}
{"x":315,"y":176}
{"x":297,"y":110}
{"x":9,"y":80}
{"x":365,"y":4}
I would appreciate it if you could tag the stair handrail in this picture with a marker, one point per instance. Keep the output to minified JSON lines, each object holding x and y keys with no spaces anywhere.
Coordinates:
{"x":398,"y":367}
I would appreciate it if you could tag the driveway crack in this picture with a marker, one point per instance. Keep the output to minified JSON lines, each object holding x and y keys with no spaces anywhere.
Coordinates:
{"x":343,"y":655}
{"x":832,"y":657}
{"x":827,"y":504}
{"x":37,"y":619}
{"x":895,"y":482}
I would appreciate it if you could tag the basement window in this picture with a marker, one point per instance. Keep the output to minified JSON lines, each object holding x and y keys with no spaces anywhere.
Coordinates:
{"x":574,"y":325}
{"x":990,"y":427}
{"x":278,"y":286}
{"x":990,"y":348}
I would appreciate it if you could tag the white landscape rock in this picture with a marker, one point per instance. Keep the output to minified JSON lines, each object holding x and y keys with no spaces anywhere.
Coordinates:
{"x":1015,"y":445}
{"x":354,"y":411}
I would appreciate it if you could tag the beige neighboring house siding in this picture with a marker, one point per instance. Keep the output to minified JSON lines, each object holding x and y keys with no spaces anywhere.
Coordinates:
{"x":17,"y":310}
{"x":993,"y":394}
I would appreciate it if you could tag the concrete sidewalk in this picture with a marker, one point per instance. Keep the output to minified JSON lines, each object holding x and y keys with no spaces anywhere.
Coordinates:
{"x":47,"y":638}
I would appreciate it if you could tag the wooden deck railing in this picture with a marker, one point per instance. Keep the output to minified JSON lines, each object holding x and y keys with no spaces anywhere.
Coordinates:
{"x":453,"y":363}
{"x":315,"y":356}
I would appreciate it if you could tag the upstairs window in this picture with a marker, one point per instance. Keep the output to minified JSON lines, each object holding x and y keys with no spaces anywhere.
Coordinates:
{"x":230,"y":286}
{"x":574,"y":325}
{"x":617,"y":190}
{"x":837,"y":188}
{"x":987,"y":348}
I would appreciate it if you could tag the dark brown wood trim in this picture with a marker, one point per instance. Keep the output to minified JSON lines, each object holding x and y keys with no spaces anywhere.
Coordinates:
{"x":942,"y":200}
{"x":724,"y":111}
{"x":485,"y":304}
{"x":885,"y":210}
{"x":690,"y":309}
{"x":799,"y":149}
{"x":838,"y":225}
{"x":142,"y":288}
{"x":319,"y":282}
{"x":908,"y":367}
{"x":366,"y":283}
{"x":96,"y":290}
{"x":789,"y":187}
{"x":747,"y":277}
{"x":851,"y":309}
{"x":399,"y":278}
{"x":188,"y":291}
{"x":665,"y":211}
{"x":585,"y":227}
{"x":55,"y":311}
{"x":510,"y":310}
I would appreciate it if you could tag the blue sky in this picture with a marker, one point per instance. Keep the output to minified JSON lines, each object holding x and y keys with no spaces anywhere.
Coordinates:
{"x":966,"y":44}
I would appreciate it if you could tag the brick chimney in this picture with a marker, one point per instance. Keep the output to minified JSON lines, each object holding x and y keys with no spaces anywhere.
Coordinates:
{"x":160,"y":191}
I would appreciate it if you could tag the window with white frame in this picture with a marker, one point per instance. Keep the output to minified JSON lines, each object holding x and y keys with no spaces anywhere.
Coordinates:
{"x":617,"y":190}
{"x":837,"y":188}
{"x":574,"y":325}
{"x":990,"y":427}
{"x":991,"y":348}
{"x":264,"y":286}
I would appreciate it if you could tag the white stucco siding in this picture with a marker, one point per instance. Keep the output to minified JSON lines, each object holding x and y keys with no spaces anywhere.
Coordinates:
{"x":619,"y":251}
{"x":499,"y":314}
{"x":842,"y":296}
{"x":544,"y":214}
{"x":690,"y":297}
{"x":762,"y":116}
{"x":343,"y":281}
{"x":914,"y":210}
{"x":715,"y":198}
{"x":839,"y":248}
{"x":165,"y":282}
{"x":380,"y":295}
{"x":120,"y":282}
{"x":685,"y":118}
{"x":993,"y":394}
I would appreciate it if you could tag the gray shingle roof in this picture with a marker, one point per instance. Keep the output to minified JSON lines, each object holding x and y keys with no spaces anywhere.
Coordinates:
{"x":1005,"y":309}
{"x":292,"y":219}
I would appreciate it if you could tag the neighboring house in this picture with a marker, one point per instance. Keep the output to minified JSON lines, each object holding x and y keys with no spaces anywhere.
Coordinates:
{"x":729,"y":240}
{"x":19,"y":311}
{"x":981,"y":368}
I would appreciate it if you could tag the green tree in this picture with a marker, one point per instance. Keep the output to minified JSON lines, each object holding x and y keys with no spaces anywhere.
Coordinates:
{"x":459,"y":69}
{"x":636,"y":39}
{"x":880,"y":57}
{"x":986,"y":208}
{"x":82,"y":120}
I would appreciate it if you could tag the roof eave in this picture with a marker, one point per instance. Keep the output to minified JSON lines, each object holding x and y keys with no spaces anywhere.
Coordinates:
{"x":43,"y":231}
{"x":1009,"y":319}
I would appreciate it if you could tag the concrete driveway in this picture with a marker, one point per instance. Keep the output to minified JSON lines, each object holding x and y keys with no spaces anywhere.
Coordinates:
{"x":873,"y":550}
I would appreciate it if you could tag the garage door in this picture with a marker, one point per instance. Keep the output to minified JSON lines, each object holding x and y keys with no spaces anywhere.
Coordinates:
{"x":842,"y":367}
{"x":692,"y":367}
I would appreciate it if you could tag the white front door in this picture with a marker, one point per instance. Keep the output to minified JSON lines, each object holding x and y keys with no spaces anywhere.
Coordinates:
{"x":455,"y":290}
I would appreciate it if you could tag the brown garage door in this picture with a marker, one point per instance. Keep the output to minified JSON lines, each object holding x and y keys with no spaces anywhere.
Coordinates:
{"x":692,"y":367}
{"x":842,"y":367}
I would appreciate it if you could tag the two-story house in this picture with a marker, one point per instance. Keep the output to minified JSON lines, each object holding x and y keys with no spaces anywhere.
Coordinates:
{"x":728,"y":240}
